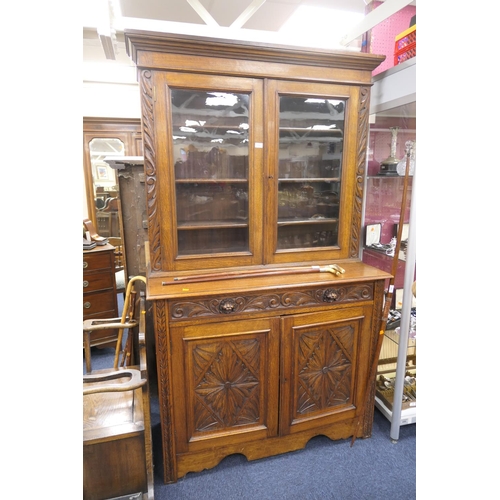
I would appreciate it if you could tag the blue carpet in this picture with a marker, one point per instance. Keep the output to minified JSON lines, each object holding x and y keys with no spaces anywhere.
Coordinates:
{"x":373,"y":469}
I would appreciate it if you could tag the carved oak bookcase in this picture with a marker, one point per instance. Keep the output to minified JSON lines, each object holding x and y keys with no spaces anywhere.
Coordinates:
{"x":254,"y":156}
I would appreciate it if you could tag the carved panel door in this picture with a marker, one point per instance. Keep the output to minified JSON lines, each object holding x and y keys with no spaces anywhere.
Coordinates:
{"x":225,"y":384}
{"x":325,"y":360}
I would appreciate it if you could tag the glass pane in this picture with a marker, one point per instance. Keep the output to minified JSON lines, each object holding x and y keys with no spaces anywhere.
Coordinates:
{"x":105,"y":185}
{"x":311,"y":133}
{"x":200,"y":240}
{"x":210,"y":147}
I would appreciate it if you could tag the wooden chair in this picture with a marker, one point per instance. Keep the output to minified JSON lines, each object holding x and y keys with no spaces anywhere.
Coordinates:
{"x":117,"y":443}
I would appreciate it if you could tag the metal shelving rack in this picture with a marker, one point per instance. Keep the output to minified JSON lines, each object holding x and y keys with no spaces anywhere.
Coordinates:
{"x":392,"y":88}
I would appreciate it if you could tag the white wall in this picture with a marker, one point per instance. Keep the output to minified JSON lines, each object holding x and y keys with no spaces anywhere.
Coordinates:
{"x":108,"y":100}
{"x":111,"y":100}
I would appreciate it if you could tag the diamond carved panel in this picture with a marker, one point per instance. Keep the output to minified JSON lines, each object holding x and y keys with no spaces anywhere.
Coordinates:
{"x":324,"y":369}
{"x":226,"y":384}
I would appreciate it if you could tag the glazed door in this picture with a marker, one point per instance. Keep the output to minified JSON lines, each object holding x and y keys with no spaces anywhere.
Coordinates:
{"x":225,"y":383}
{"x":311,"y":170}
{"x":324,"y":361}
{"x":209,"y":152}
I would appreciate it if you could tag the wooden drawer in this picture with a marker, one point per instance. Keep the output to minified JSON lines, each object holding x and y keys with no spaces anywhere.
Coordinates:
{"x":99,"y":302}
{"x":98,"y":260}
{"x":97,"y":281}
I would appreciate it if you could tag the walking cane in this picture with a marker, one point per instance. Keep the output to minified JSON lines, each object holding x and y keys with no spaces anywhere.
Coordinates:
{"x":388,"y":299}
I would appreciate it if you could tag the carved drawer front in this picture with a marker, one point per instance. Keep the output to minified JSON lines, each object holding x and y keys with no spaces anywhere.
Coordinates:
{"x":225,"y":382}
{"x":96,"y":261}
{"x":274,"y":301}
{"x":97,"y":281}
{"x":98,"y":302}
{"x":320,"y":354}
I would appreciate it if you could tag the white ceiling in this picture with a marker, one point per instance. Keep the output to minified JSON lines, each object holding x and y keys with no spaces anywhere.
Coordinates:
{"x":104,"y":22}
{"x":266,"y":15}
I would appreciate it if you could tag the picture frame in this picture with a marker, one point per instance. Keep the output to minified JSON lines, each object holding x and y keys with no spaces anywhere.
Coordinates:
{"x":372,"y":235}
{"x":102,"y":172}
{"x":404,"y":234}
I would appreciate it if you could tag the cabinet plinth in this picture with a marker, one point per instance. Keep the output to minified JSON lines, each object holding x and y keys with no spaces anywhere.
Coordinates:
{"x":254,"y":157}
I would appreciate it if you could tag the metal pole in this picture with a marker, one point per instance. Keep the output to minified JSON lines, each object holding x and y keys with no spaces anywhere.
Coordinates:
{"x":405,"y":316}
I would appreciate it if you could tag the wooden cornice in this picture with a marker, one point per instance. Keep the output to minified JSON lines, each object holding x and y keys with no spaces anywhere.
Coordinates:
{"x":137,"y":41}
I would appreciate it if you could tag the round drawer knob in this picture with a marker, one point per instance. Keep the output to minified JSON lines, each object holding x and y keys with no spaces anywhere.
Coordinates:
{"x":85,"y":264}
{"x":85,"y":283}
{"x":330,"y":295}
{"x":87,"y":305}
{"x":227,"y":306}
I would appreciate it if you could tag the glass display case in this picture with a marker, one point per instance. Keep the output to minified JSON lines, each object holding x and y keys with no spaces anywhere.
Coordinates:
{"x":254,"y":184}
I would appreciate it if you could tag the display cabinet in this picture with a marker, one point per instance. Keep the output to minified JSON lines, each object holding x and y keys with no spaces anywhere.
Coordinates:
{"x":392,"y":130}
{"x":254,"y":156}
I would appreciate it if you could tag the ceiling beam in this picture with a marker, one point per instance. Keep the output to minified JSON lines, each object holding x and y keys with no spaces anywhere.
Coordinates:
{"x":247,"y":14}
{"x":105,"y":30}
{"x":203,"y":13}
{"x":376,"y":16}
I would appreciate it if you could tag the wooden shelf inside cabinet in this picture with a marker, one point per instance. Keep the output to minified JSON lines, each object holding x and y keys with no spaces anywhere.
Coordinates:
{"x":309,"y":179}
{"x":296,"y":222}
{"x":211,"y":181}
{"x":188,"y":226}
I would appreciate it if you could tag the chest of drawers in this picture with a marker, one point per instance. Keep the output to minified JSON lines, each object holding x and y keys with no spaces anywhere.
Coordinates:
{"x":99,"y":291}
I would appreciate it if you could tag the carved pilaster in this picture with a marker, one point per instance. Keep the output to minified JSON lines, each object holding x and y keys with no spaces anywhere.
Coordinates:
{"x":148,"y":138}
{"x":364,"y":109}
{"x":164,"y":391}
{"x":377,"y":314}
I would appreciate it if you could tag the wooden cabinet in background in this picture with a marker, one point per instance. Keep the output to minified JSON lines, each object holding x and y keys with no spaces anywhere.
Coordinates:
{"x":107,"y":137}
{"x":99,"y":291}
{"x":254,"y":157}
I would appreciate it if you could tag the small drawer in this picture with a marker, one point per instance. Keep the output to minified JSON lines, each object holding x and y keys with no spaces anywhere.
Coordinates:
{"x":99,"y":260}
{"x":97,"y":281}
{"x":98,"y":302}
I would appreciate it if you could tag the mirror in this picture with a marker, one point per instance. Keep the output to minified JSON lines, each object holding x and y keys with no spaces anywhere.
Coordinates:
{"x":105,"y":186}
{"x":106,"y":199}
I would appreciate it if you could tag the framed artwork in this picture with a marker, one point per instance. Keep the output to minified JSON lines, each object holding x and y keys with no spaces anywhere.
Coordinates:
{"x":373,"y":232}
{"x":102,"y":172}
{"x":404,"y":233}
